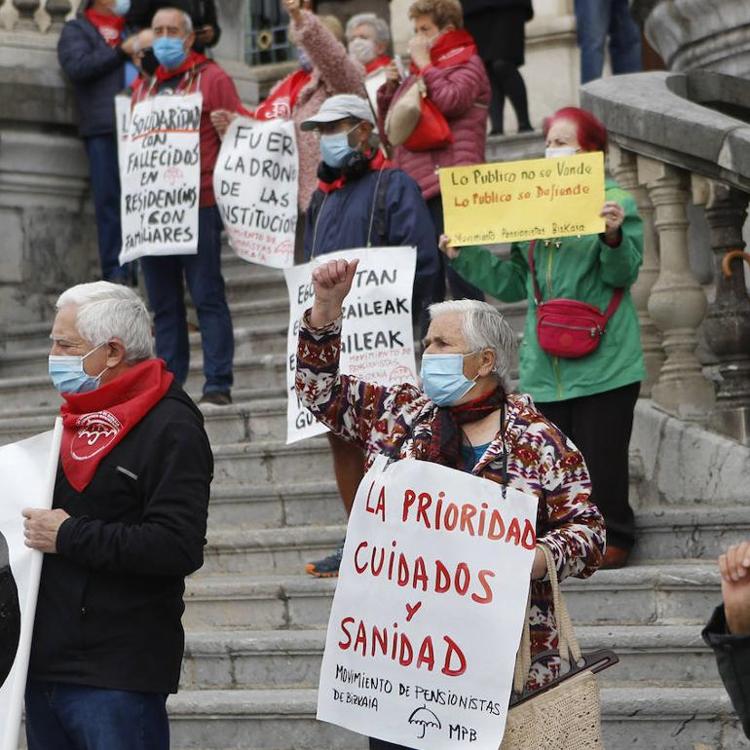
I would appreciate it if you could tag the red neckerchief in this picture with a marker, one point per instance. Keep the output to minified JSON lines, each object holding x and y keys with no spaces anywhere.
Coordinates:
{"x":95,"y":422}
{"x":443,"y":443}
{"x":280,"y":102}
{"x":192,"y":61}
{"x":451,"y":48}
{"x":377,"y":163}
{"x":379,"y":62}
{"x":110,"y":27}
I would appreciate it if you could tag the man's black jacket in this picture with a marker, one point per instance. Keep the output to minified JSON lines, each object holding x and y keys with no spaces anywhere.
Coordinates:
{"x":733,"y":659}
{"x":110,"y":601}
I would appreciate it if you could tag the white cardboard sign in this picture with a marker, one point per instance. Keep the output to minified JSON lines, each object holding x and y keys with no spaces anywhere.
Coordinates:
{"x":160,"y":177}
{"x":28,"y":470}
{"x":256,"y":185}
{"x":377,"y":338}
{"x":429,"y":606}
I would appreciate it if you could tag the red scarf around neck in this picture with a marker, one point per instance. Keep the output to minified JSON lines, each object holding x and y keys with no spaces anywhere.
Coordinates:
{"x":381,"y":61}
{"x":451,"y":48}
{"x":378,"y":162}
{"x":95,"y":422}
{"x":280,"y":102}
{"x":192,"y":61}
{"x":109,"y":26}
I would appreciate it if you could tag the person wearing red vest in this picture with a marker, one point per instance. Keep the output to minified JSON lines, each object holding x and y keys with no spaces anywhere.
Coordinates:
{"x":127,"y":524}
{"x":182,"y":70}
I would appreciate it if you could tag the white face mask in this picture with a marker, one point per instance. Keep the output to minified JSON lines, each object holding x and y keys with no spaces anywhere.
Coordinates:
{"x":362,"y":50}
{"x":556,"y":153}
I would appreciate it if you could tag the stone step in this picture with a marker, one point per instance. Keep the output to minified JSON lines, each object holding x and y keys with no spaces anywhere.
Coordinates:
{"x":257,"y":340}
{"x":261,"y":312}
{"x":633,"y":718}
{"x":677,"y":593}
{"x":272,"y":551}
{"x":272,"y":462}
{"x":257,"y":376}
{"x":649,"y":654}
{"x":253,"y":284}
{"x":689,"y":532}
{"x":285,"y":504}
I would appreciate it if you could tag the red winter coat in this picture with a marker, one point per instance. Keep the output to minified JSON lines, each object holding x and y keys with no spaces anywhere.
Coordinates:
{"x":462,"y":93}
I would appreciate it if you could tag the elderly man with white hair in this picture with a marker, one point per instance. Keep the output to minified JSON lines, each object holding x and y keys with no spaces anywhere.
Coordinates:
{"x":464,"y":417}
{"x":367,"y":39}
{"x":128,"y":523}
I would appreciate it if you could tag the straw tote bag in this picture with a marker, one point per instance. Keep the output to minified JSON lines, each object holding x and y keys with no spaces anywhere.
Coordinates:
{"x":565,"y":714}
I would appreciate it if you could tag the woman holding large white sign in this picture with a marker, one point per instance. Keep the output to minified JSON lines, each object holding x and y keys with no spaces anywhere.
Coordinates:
{"x":464,"y":418}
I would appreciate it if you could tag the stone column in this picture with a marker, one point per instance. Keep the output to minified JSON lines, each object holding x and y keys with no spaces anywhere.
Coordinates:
{"x":57,"y":11}
{"x":624,"y":166}
{"x":677,"y":303}
{"x":26,"y":10}
{"x":727,"y":324}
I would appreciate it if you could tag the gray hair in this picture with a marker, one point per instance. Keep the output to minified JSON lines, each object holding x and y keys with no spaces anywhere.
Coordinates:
{"x":187,"y":21}
{"x":378,"y":25}
{"x":109,"y":311}
{"x":484,"y":327}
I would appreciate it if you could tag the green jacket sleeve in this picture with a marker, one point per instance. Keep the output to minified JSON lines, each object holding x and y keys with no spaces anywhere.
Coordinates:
{"x":620,"y":264}
{"x":504,"y":279}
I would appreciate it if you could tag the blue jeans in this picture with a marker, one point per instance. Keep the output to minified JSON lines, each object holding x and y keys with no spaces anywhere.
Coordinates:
{"x":105,"y":191}
{"x":596,"y":20}
{"x":163,"y":276}
{"x":76,"y":717}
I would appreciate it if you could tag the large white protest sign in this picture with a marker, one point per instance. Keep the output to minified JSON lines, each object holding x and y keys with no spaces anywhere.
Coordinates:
{"x":256,"y":185}
{"x":27,"y":471}
{"x":377,"y":343}
{"x":160,"y":177}
{"x":122,"y":126}
{"x":429,"y":607}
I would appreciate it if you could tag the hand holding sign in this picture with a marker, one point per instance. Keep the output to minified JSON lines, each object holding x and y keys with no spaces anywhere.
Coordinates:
{"x":331,"y":282}
{"x":613,"y":215}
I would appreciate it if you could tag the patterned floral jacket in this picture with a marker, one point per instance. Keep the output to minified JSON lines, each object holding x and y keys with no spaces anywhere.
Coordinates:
{"x":541,"y":460}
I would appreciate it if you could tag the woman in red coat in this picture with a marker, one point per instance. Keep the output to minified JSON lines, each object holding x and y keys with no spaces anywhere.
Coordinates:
{"x":445,"y":57}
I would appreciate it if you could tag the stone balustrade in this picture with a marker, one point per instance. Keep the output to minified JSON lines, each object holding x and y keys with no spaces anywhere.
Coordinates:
{"x":682,"y":140}
{"x":42,"y":16}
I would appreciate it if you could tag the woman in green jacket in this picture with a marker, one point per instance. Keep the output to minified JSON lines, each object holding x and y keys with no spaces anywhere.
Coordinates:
{"x":591,"y":398}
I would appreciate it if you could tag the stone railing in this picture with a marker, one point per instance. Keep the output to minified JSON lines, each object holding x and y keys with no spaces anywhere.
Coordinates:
{"x":35,"y":15}
{"x":680,"y":142}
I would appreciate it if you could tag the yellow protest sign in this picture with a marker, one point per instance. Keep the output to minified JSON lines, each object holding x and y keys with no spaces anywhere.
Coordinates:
{"x":523,"y":200}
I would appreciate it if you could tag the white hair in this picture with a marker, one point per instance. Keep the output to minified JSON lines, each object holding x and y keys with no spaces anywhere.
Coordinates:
{"x":378,"y":25}
{"x":187,"y":21}
{"x":483,"y":327}
{"x":109,"y":311}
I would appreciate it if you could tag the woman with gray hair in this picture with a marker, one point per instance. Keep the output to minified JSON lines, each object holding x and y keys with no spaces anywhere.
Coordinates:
{"x":463,"y":417}
{"x":368,"y":38}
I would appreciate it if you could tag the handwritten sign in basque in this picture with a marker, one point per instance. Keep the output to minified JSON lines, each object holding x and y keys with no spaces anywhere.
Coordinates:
{"x":523,"y":200}
{"x":160,"y":178}
{"x":28,"y":469}
{"x":256,"y":183}
{"x":429,"y":607}
{"x":122,"y":125}
{"x":377,"y":343}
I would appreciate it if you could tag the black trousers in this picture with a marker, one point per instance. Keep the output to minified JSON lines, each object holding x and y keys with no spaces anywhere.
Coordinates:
{"x":600,"y":426}
{"x":383,"y":745}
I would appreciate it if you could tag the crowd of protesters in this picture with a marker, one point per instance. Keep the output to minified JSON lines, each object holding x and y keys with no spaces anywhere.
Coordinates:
{"x":365,"y":179}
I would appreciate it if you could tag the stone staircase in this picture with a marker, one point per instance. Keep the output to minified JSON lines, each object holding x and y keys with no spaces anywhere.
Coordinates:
{"x":255,"y":622}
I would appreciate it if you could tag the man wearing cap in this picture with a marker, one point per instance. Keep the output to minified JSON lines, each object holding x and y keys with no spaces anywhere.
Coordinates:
{"x":361,"y":201}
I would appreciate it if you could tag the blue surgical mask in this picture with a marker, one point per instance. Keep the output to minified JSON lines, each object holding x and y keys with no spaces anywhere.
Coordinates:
{"x":170,"y":51}
{"x":335,"y":149}
{"x":121,"y":7}
{"x":68,"y":375}
{"x":443,"y":378}
{"x":560,"y":151}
